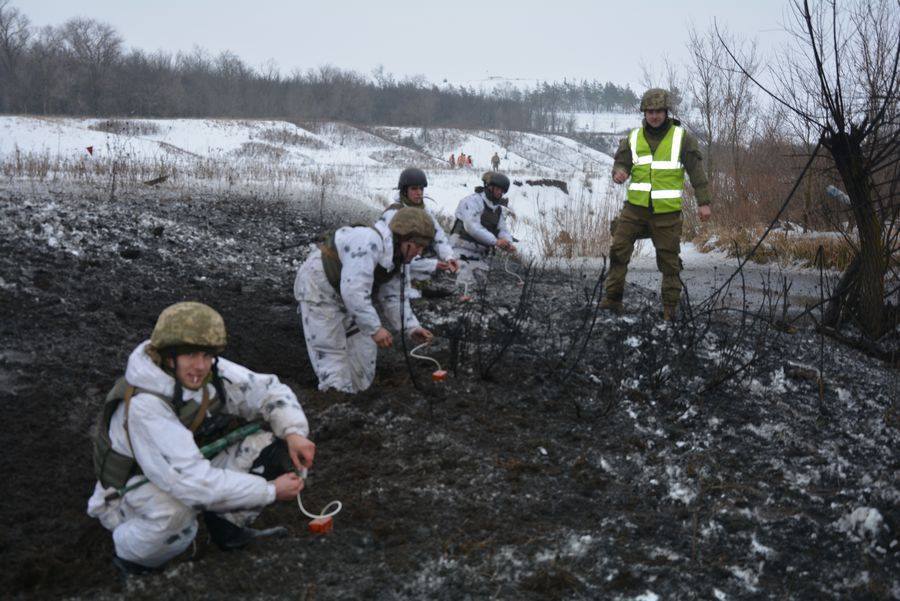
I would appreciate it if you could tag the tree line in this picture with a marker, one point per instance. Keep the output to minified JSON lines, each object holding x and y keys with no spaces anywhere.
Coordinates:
{"x":82,"y":67}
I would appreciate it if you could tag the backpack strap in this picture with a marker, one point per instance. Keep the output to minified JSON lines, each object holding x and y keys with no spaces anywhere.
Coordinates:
{"x":201,"y":411}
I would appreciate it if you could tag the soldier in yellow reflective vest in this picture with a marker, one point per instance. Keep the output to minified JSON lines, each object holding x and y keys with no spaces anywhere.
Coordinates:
{"x":655,"y":157}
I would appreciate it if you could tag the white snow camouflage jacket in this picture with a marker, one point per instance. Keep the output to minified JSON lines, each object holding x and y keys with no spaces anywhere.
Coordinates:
{"x":469,"y":212}
{"x":360,"y":250}
{"x":165,"y":448}
{"x":441,"y":242}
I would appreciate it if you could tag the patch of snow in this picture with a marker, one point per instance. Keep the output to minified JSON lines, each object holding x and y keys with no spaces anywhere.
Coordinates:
{"x":759,"y":548}
{"x":863,"y":523}
{"x":747,"y":578}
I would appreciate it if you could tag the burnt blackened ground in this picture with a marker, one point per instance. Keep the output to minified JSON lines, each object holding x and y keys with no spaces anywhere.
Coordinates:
{"x":569,"y":454}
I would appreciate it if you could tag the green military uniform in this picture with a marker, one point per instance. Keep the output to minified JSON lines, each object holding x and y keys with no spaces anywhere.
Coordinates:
{"x":653,"y":208}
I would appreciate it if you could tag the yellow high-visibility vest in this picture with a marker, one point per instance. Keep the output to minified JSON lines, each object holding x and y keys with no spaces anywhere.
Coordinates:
{"x":657,"y":178}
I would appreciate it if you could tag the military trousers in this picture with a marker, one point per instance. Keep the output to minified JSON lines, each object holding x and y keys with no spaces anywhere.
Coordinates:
{"x":664,"y":230}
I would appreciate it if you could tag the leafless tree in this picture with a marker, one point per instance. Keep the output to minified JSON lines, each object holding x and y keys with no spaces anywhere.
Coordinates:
{"x":95,"y":47}
{"x":841,"y":80}
{"x":14,"y":37}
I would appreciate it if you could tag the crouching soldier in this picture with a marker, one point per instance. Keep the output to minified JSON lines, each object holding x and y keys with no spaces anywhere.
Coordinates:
{"x":177,"y":393}
{"x":411,"y":187}
{"x":341,"y":283}
{"x":480,"y":226}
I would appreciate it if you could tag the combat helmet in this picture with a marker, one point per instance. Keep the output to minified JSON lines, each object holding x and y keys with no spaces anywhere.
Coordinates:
{"x":412,"y":176}
{"x":492,"y":178}
{"x":413,"y":224}
{"x":189,"y":325}
{"x":655,"y":99}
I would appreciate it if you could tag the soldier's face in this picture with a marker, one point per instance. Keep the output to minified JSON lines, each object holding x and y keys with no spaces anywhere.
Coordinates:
{"x":410,"y":250}
{"x":655,"y":117}
{"x":495,"y":192}
{"x":415,"y":194}
{"x":191,"y":369}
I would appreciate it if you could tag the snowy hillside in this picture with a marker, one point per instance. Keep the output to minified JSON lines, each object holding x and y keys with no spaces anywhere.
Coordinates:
{"x":344,"y":160}
{"x":605,"y":121}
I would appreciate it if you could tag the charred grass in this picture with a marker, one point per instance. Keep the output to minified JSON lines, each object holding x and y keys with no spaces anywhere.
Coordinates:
{"x":571,"y":454}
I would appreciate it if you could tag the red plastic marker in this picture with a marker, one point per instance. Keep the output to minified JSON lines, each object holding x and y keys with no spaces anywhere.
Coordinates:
{"x":321,"y":525}
{"x":439,"y":375}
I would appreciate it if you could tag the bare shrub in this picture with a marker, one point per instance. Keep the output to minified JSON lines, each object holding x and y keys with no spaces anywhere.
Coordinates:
{"x":126,"y":128}
{"x":576,"y":229}
{"x":784,"y":248}
{"x":289,"y":137}
{"x":260,"y":150}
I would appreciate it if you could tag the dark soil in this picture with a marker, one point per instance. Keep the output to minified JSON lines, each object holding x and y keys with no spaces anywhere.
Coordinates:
{"x":568,"y":455}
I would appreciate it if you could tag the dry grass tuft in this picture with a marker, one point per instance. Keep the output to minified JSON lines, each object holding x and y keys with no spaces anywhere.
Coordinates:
{"x":577,"y":229}
{"x":288,"y":137}
{"x":783,"y":248}
{"x":124,"y":127}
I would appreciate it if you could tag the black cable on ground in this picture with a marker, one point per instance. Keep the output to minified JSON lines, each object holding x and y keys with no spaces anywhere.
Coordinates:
{"x":412,"y":375}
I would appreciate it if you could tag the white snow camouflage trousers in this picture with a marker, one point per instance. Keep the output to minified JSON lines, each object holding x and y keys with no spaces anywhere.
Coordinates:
{"x":342,"y":357}
{"x":150,"y":526}
{"x":473,"y":263}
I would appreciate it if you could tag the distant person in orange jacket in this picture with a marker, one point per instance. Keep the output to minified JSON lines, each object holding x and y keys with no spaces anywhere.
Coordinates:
{"x":469,"y":160}
{"x":461,"y":161}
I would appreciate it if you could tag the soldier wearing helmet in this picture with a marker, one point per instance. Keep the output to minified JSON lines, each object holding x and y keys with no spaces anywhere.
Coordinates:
{"x":178,"y":394}
{"x":411,"y":193}
{"x":655,"y":157}
{"x":339,"y":287}
{"x":480,"y":226}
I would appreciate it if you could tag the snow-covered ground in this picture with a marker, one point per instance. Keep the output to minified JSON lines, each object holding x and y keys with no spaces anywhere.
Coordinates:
{"x":347,"y":161}
{"x":608,"y":122}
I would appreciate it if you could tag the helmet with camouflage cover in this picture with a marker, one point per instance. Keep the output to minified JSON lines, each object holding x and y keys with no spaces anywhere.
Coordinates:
{"x":189,"y":324}
{"x":655,"y":99}
{"x":413,"y":224}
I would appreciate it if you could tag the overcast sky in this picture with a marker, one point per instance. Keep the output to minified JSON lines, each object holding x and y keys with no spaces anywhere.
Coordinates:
{"x":457,"y":40}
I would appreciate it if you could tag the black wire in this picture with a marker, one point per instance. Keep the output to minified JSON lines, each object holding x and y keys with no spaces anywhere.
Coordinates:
{"x":412,"y":375}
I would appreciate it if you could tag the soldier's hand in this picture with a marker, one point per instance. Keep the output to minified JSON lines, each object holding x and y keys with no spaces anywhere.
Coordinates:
{"x":301,"y":449}
{"x":504,"y":244}
{"x":619,"y":176}
{"x":383,"y":338}
{"x":451,"y":265}
{"x":705,"y":212}
{"x":288,"y":486}
{"x":420,"y":335}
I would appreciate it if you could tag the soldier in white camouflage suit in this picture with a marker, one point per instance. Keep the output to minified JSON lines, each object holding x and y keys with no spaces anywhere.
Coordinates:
{"x":177,"y":394}
{"x":480,"y":227}
{"x":411,"y":193}
{"x":340,"y":285}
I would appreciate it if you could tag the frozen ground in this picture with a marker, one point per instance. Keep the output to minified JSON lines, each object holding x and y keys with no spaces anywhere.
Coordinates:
{"x":569,"y":455}
{"x":705,"y":273}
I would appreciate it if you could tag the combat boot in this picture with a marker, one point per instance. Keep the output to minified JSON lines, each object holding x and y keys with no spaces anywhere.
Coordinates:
{"x":129,"y":568}
{"x":670,"y":312}
{"x":608,"y":304}
{"x":228,"y":536}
